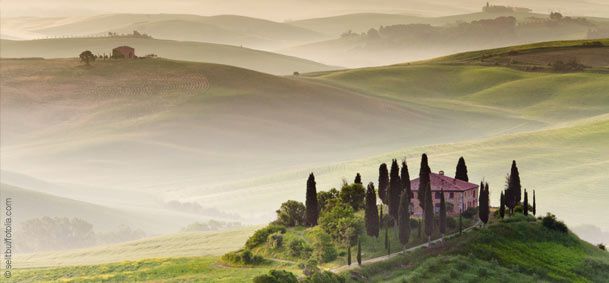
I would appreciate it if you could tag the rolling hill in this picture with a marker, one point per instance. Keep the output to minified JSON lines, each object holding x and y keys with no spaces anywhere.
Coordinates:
{"x":179,"y":50}
{"x":182,"y":244}
{"x":362,"y":22}
{"x":223,"y":29}
{"x":203,"y":126}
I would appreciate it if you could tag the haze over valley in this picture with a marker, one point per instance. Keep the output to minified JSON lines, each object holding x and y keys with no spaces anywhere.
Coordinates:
{"x":215,"y":117}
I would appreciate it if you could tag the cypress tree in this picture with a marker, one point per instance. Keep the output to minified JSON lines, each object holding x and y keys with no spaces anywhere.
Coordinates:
{"x":359,"y":252}
{"x":534,"y":204}
{"x":395,"y":189}
{"x":405,"y":177}
{"x":371,"y":215}
{"x":349,"y":254}
{"x":404,"y":218}
{"x":461,"y":171}
{"x":383,"y":182}
{"x":387,"y":237}
{"x":484,"y":208}
{"x":442,"y":214}
{"x":381,"y":225}
{"x":514,"y":184}
{"x":312,"y":208}
{"x":423,"y":180}
{"x":429,"y":213}
{"x":502,"y":206}
{"x":358,"y":179}
{"x":525,"y":205}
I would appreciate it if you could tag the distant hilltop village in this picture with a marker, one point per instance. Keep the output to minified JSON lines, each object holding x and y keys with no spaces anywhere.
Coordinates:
{"x":503,"y":9}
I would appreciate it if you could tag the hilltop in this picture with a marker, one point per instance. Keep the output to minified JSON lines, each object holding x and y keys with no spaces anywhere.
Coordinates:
{"x":179,"y":50}
{"x":224,"y":29}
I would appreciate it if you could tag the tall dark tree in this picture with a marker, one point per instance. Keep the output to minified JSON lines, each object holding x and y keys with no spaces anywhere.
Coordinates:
{"x":312,"y":208}
{"x":502,"y":205}
{"x":381,"y":225}
{"x":483,"y":207}
{"x":383,"y":182}
{"x":534,"y":204}
{"x":386,"y":236}
{"x":514,"y":184}
{"x":405,"y":177}
{"x":404,"y":218}
{"x":525,"y":204}
{"x":461,"y":171}
{"x":395,"y":189}
{"x":442,"y":214}
{"x":359,"y":252}
{"x":358,"y":179}
{"x":371,"y":215}
{"x":429,"y":214}
{"x":349,"y":255}
{"x":424,"y":181}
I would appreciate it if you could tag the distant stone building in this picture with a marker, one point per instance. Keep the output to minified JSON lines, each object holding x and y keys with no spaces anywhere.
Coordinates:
{"x":457,"y":194}
{"x":123,"y":52}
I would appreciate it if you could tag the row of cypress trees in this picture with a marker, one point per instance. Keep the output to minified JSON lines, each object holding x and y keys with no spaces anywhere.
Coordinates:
{"x":512,"y":195}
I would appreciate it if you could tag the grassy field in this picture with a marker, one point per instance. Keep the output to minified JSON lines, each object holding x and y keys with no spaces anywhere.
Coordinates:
{"x":517,"y":249}
{"x":549,"y":97}
{"x":190,"y":269}
{"x":184,"y":244}
{"x":178,"y":50}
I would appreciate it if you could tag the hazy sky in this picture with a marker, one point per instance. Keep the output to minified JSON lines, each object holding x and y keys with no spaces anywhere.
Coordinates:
{"x":280,"y":10}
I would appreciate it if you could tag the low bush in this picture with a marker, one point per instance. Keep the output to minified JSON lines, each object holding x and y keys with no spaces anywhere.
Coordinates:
{"x":324,"y":277}
{"x":323,"y":247}
{"x":276,"y":276}
{"x":299,"y":248}
{"x":261,"y":235}
{"x":550,"y":222}
{"x":451,"y":223}
{"x":242,"y":257}
{"x":602,"y":246}
{"x":275,"y":240}
{"x":470,"y":213}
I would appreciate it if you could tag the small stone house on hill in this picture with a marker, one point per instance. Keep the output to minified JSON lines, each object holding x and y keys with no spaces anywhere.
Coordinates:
{"x":123,"y":52}
{"x":457,"y":194}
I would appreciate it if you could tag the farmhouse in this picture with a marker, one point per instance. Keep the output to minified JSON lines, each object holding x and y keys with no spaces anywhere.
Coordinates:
{"x":457,"y":194}
{"x":123,"y":52}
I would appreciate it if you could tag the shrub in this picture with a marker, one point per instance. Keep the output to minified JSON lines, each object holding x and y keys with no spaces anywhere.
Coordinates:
{"x":470,"y":212}
{"x":451,"y":223}
{"x":550,"y":222}
{"x":310,"y":267}
{"x":242,"y":257}
{"x":414,"y":224}
{"x":276,"y":276}
{"x":353,"y":195}
{"x":323,"y":248}
{"x":291,"y":213}
{"x":324,"y":277}
{"x":275,"y":240}
{"x":341,"y":223}
{"x":299,"y":248}
{"x":261,"y":235}
{"x":327,"y":199}
{"x":602,"y":246}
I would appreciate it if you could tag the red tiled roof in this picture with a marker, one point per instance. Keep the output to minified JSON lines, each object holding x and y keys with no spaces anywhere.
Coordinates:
{"x":449,"y":184}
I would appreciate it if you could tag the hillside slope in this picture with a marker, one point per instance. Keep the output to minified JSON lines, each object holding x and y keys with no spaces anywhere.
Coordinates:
{"x":179,"y":50}
{"x":513,"y":250}
{"x":182,"y":244}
